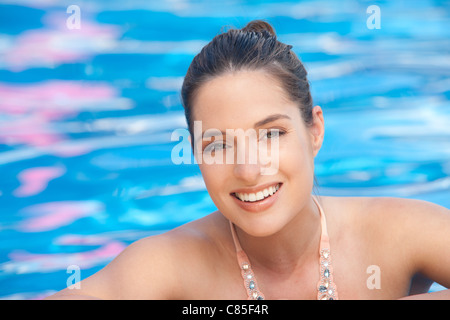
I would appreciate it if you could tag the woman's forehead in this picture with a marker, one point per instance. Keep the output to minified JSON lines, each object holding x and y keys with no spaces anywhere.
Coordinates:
{"x":246,"y":94}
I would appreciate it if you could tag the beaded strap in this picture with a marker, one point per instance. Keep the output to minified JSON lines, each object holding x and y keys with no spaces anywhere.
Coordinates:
{"x":326,"y":288}
{"x":250,"y":283}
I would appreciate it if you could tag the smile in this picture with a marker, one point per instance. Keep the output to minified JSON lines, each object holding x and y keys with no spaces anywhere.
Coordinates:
{"x":257,"y":196}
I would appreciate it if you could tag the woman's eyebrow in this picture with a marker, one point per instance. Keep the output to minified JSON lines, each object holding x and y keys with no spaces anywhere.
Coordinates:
{"x":271,"y":118}
{"x":260,"y":123}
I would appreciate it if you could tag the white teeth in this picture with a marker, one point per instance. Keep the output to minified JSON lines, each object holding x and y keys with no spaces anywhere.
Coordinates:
{"x":252,"y":197}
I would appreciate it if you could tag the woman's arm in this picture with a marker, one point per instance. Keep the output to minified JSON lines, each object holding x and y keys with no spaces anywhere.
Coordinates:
{"x":426,"y":237}
{"x":438,"y":295}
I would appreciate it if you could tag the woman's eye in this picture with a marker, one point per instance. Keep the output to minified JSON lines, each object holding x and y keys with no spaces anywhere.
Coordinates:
{"x":274,"y":133}
{"x":215,"y":147}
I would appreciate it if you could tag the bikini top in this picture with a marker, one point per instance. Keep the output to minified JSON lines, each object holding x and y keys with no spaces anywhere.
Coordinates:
{"x":326,"y":288}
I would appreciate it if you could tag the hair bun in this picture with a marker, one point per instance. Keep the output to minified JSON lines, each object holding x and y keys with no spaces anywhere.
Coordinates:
{"x":259,"y":26}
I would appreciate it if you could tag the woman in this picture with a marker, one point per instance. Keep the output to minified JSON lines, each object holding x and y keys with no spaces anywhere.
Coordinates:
{"x":271,"y":238}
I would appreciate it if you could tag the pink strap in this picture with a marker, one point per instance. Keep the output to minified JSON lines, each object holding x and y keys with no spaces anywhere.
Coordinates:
{"x":324,"y":240}
{"x":237,"y":245}
{"x":326,"y":287}
{"x":250,"y":283}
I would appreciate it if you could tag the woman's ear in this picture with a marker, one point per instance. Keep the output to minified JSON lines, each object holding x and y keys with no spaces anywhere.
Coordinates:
{"x":317,"y":130}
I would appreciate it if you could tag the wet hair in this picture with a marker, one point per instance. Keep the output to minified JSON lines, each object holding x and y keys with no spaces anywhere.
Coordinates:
{"x":254,"y":47}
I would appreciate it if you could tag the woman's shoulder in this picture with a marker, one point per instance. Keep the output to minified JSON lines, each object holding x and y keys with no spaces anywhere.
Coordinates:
{"x":415,"y":228}
{"x":206,"y":233}
{"x":163,"y":266}
{"x":382,"y":210}
{"x":389,"y":223}
{"x":189,"y":253}
{"x":203,"y":237}
{"x":402,"y":237}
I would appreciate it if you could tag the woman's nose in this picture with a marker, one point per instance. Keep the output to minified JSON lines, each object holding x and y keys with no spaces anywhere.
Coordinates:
{"x":247,"y":165}
{"x":247,"y":172}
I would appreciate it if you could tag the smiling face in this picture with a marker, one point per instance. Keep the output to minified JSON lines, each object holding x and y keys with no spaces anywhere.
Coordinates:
{"x":260,"y":204}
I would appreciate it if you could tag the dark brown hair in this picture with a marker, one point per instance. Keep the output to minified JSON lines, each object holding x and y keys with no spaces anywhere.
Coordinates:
{"x":254,"y":47}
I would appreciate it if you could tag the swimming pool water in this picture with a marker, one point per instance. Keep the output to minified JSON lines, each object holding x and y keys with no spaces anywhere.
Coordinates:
{"x":86,"y":117}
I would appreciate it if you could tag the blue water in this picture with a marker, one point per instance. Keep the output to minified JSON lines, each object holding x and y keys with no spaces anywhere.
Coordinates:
{"x":86,"y":117}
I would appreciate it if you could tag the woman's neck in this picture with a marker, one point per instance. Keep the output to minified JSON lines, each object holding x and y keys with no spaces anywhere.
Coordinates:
{"x":290,"y":247}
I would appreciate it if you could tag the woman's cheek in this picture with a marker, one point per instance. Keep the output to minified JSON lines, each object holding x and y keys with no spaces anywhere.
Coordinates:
{"x":295,"y":160}
{"x":215,"y":177}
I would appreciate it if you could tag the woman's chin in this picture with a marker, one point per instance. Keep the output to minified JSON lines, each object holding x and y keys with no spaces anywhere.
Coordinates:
{"x":259,"y":228}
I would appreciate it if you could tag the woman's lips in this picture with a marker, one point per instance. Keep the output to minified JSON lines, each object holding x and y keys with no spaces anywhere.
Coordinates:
{"x":259,"y":205}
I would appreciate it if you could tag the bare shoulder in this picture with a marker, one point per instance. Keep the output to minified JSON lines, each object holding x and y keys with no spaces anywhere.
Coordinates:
{"x":409,"y":217}
{"x":188,"y":254}
{"x":402,"y":205}
{"x":408,"y":228}
{"x":400,"y":234}
{"x":405,"y":238}
{"x":171,"y":262}
{"x":418,"y":232}
{"x":385,"y":212}
{"x":156,"y":267}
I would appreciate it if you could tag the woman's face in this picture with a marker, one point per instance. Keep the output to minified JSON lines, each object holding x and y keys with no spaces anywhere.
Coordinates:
{"x":249,"y":102}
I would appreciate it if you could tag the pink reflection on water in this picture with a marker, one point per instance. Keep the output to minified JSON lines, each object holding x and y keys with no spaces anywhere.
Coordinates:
{"x":30,"y":130}
{"x":52,"y":100}
{"x":56,"y":44}
{"x":24,"y":262}
{"x":35,"y":180}
{"x":81,"y":240}
{"x":53,"y":215}
{"x":30,"y":111}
